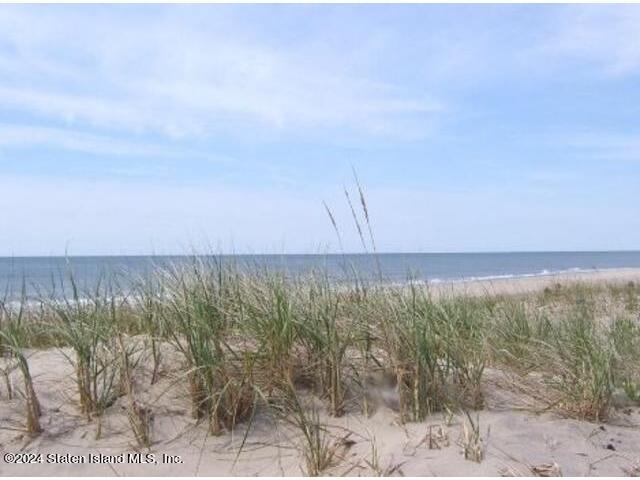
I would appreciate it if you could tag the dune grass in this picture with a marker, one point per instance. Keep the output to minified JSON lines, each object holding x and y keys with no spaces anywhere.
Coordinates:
{"x":13,"y":339}
{"x":250,"y":338}
{"x":243,"y":336}
{"x":88,"y":323}
{"x":199,"y":327}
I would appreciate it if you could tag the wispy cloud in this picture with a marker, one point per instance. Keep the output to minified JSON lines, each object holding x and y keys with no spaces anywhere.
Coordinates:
{"x":499,"y":117}
{"x":14,"y":136}
{"x":604,"y":37}
{"x":609,"y":145}
{"x":181,"y":80}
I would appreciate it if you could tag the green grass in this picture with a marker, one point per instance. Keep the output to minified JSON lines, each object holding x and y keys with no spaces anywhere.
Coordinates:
{"x":199,"y":327}
{"x":147,"y":308}
{"x":417,"y":354}
{"x":318,"y":447}
{"x":243,"y":335}
{"x":250,"y":338}
{"x":625,"y":336}
{"x":582,"y":364}
{"x":325,"y":339}
{"x":87,"y":322}
{"x":13,"y":339}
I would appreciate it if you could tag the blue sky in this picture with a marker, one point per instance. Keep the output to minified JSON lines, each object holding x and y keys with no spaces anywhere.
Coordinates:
{"x":140,"y":129}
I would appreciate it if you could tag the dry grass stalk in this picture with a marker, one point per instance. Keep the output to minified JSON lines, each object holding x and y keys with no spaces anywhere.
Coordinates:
{"x":436,"y":438}
{"x":33,"y":405}
{"x":7,"y":382}
{"x":140,"y":419}
{"x":12,"y":336}
{"x":140,"y":416}
{"x":319,"y":449}
{"x":471,"y":441}
{"x":374,"y":464}
{"x":510,"y":471}
{"x":633,"y":470}
{"x":146,"y":310}
{"x":546,"y":470}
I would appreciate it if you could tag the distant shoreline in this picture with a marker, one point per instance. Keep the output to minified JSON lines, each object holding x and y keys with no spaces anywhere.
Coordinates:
{"x":407,"y":372}
{"x":468,"y":272}
{"x":512,"y":285}
{"x":528,"y":284}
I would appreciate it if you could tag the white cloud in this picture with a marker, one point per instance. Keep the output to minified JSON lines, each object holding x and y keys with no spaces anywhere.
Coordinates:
{"x":604,"y":144}
{"x":17,"y":136}
{"x":21,"y":135}
{"x":71,"y":108}
{"x":601,"y":36}
{"x":163,"y":75}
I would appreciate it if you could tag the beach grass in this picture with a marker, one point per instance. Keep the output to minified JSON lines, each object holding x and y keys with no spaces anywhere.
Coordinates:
{"x":13,"y":339}
{"x":89,"y":322}
{"x":248,"y":339}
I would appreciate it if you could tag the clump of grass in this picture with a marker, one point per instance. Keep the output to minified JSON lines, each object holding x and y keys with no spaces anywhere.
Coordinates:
{"x":460,"y":324}
{"x":565,"y":341}
{"x":516,"y":331}
{"x":629,"y":293}
{"x":7,"y":314}
{"x":12,"y":336}
{"x":471,"y":441}
{"x":87,"y":324}
{"x":319,"y":449}
{"x":219,"y":378}
{"x":326,"y":341}
{"x":437,"y":349}
{"x":413,"y":347}
{"x":269,"y":313}
{"x":625,"y":336}
{"x":580,"y":364}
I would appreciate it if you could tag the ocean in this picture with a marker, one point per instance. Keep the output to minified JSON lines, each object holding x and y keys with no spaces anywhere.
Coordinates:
{"x":43,"y":276}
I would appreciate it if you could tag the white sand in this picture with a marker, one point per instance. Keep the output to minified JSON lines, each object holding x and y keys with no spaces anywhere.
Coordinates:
{"x":515,"y":436}
{"x":522,"y":285}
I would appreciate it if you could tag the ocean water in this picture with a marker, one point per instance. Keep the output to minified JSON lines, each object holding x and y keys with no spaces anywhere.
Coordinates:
{"x":45,"y":276}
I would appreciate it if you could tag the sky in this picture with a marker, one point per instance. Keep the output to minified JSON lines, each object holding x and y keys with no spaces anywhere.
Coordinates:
{"x":167,"y":128}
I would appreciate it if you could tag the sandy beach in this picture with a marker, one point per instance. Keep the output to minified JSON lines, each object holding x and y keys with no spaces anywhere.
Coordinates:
{"x":319,"y":240}
{"x":529,"y":284}
{"x":518,"y":436}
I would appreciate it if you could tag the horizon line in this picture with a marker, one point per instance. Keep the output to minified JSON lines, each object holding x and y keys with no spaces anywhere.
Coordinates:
{"x":198,"y":254}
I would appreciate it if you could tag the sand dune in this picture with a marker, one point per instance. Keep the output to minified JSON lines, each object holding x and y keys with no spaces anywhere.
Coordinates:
{"x":517,"y":438}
